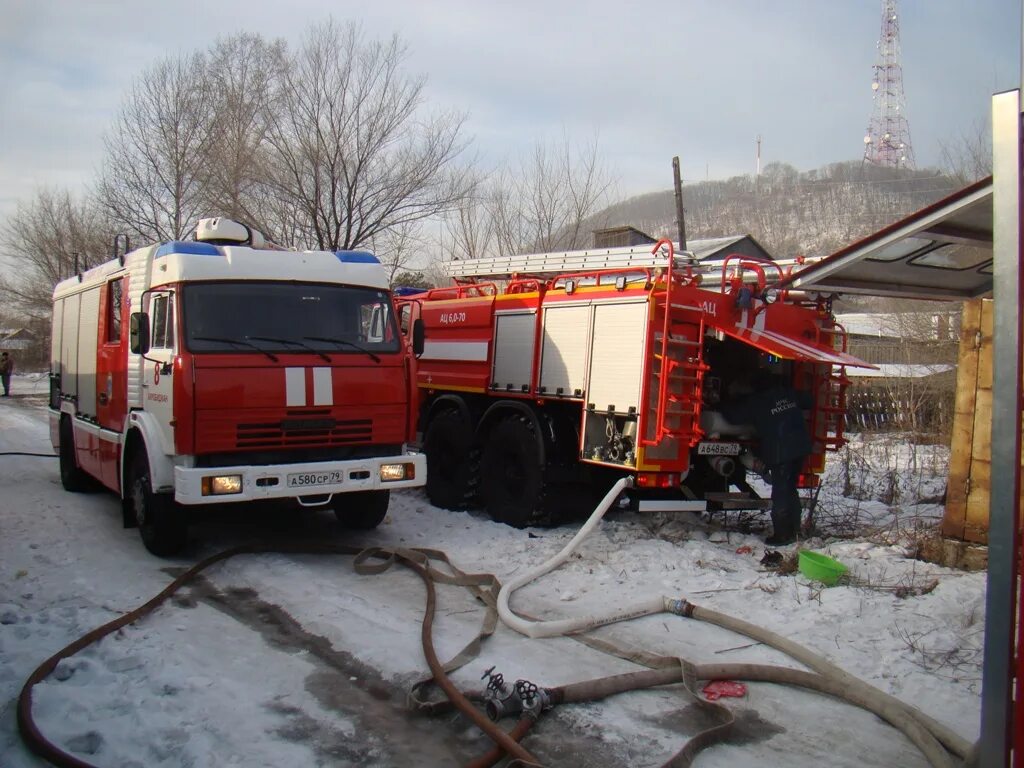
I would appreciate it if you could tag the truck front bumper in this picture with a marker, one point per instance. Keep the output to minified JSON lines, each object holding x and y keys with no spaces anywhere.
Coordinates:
{"x":219,"y":485}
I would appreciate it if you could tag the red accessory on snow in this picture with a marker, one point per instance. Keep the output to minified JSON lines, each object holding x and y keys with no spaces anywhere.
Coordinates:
{"x":716,"y":689}
{"x":746,"y":549}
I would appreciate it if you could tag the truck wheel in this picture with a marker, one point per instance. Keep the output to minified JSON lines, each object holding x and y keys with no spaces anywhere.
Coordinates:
{"x":361,"y":510}
{"x":161,"y":524}
{"x":449,"y":451}
{"x":71,"y":475}
{"x":512,"y":480}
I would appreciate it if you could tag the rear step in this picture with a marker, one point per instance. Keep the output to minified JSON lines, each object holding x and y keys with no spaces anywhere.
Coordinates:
{"x":732,"y":500}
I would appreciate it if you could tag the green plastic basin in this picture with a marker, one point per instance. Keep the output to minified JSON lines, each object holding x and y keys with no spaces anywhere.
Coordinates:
{"x":819,"y":567}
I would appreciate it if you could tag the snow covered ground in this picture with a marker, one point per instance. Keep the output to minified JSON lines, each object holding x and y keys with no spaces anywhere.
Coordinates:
{"x":278,"y":660}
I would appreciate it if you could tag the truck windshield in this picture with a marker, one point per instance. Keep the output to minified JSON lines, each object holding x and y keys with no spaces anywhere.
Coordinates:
{"x":288,"y":317}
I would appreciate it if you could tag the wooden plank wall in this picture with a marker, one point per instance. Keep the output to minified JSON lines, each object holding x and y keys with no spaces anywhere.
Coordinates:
{"x":970,"y":459}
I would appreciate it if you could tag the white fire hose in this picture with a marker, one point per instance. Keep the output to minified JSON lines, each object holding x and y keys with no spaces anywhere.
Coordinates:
{"x":927,"y":733}
{"x":557,"y":627}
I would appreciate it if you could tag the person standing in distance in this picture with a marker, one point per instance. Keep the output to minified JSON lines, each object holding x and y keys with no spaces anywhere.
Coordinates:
{"x":6,"y":369}
{"x":775,"y":409}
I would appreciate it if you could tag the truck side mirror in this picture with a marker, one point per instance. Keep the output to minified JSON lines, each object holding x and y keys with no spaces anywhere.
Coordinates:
{"x":417,"y":337}
{"x":138,"y":333}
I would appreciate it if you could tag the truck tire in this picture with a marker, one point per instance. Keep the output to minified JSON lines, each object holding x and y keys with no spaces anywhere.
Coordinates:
{"x":512,"y":479}
{"x":361,"y":510}
{"x":71,"y":475}
{"x":162,"y":524}
{"x":448,"y":446}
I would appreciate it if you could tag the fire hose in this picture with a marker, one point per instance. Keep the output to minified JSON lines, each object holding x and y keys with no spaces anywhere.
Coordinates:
{"x":930,"y":736}
{"x":416,"y":560}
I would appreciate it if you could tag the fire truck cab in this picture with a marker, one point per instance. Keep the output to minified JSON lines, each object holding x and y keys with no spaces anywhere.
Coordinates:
{"x":219,"y":370}
{"x":587,"y":365}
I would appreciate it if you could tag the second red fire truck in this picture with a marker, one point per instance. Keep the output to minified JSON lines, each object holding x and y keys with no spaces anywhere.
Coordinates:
{"x":588,"y":365}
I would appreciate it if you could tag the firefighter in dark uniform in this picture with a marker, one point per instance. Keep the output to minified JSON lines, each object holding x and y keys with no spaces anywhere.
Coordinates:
{"x":775,"y":409}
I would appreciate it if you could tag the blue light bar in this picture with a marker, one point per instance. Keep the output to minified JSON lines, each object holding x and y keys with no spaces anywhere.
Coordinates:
{"x":189,"y":248}
{"x":356,"y":257}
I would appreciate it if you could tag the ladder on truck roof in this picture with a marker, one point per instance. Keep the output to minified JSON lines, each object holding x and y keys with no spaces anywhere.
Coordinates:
{"x":556,"y":263}
{"x":592,"y":260}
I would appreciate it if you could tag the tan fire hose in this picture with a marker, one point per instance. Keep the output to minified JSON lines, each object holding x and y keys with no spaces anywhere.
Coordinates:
{"x":922,"y":730}
{"x":930,"y":736}
{"x":416,"y":560}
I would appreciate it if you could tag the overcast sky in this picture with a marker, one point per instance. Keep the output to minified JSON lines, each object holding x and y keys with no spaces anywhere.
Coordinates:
{"x":697,"y":78}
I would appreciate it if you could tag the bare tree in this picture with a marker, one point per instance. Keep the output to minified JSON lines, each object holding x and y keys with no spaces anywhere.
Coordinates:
{"x":549,"y":202}
{"x":509,"y":221}
{"x":469,"y":231}
{"x":351,"y":146}
{"x":44,"y":239}
{"x":151,"y":183}
{"x":968,"y":157}
{"x":399,"y":248}
{"x":588,"y":187}
{"x":243,"y":75}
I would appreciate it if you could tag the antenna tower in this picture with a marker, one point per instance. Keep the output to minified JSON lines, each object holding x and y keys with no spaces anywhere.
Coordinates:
{"x":887,"y":142}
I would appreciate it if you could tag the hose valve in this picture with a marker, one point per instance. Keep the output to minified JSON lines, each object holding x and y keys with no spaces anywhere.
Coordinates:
{"x":534,"y":698}
{"x":502,"y":699}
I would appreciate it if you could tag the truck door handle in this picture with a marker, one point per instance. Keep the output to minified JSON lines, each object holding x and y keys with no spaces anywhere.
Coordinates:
{"x":103,"y":398}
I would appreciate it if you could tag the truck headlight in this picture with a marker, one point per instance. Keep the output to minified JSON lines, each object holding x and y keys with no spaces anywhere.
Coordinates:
{"x":389,"y":473}
{"x":221,"y":485}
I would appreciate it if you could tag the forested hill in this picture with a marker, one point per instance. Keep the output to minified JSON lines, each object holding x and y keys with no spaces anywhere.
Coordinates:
{"x":789,"y":212}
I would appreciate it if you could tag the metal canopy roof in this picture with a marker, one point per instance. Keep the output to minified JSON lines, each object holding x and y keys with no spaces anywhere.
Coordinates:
{"x":943,"y":251}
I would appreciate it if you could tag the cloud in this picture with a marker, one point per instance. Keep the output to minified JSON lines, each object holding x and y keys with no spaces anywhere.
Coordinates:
{"x":651,"y":79}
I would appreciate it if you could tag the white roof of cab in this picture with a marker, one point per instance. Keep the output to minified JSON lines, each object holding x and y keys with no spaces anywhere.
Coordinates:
{"x":179,"y":261}
{"x":236,"y":261}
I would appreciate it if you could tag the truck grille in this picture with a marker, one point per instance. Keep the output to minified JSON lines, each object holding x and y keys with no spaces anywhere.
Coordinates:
{"x":298,"y":432}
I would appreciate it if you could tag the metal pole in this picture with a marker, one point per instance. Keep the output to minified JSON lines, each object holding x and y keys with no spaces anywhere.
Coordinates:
{"x":1003,"y":541}
{"x":678,"y":180}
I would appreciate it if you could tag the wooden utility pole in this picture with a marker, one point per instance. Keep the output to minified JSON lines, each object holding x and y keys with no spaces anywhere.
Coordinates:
{"x":677,"y":178}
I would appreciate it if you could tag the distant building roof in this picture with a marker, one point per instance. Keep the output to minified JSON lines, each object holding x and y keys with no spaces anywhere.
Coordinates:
{"x":16,"y":338}
{"x":615,"y":237}
{"x":932,"y":326}
{"x":720,"y":247}
{"x":899,"y":371}
{"x":704,"y":248}
{"x":16,"y":334}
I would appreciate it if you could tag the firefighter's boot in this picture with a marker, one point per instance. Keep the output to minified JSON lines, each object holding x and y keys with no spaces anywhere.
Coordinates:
{"x":783,"y":531}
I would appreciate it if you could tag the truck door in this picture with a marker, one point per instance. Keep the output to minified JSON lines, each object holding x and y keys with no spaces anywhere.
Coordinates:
{"x":157,"y":379}
{"x":111,"y":381}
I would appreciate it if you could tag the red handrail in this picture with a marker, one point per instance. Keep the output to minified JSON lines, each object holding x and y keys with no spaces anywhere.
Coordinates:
{"x":523,"y":285}
{"x":749,"y":262}
{"x":597,"y":274}
{"x":461,"y":291}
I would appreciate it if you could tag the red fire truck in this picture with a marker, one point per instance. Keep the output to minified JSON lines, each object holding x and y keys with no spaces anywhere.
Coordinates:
{"x":588,"y":365}
{"x":220,"y":370}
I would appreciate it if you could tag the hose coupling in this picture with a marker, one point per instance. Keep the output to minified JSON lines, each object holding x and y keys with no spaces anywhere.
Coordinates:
{"x":723,"y":465}
{"x":502,"y":699}
{"x":680,"y":606}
